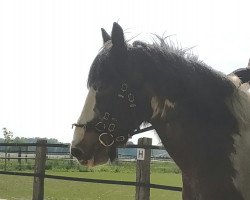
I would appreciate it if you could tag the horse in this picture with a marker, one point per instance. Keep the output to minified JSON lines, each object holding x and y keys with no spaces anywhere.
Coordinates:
{"x":201,"y":116}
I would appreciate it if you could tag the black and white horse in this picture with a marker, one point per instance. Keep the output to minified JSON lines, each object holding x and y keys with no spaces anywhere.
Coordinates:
{"x":201,"y":116}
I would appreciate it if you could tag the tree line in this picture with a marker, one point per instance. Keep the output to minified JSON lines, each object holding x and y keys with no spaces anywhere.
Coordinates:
{"x":9,"y":138}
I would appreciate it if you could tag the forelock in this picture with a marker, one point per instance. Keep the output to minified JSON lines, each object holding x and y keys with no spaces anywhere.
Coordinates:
{"x":97,"y":66}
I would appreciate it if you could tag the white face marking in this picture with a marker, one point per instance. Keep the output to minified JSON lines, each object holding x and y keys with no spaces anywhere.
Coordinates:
{"x":86,"y":116}
{"x":160,"y":107}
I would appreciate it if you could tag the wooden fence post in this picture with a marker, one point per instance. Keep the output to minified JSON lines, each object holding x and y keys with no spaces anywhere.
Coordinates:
{"x":5,"y":159}
{"x":19,"y":158}
{"x":40,"y":160}
{"x":143,"y":170}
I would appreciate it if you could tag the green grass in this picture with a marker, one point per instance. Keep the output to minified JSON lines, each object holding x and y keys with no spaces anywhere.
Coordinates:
{"x":16,"y":187}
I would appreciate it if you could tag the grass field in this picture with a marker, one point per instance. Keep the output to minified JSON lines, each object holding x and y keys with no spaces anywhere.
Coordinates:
{"x":15,"y":187}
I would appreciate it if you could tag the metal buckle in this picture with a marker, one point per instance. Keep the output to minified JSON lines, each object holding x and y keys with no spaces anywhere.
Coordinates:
{"x":124,"y":87}
{"x":106,"y":116}
{"x":98,"y":128}
{"x":79,"y":125}
{"x":120,"y":96}
{"x":131,"y":98}
{"x":111,"y":127}
{"x":120,"y":139}
{"x":103,"y":143}
{"x":132,"y":105}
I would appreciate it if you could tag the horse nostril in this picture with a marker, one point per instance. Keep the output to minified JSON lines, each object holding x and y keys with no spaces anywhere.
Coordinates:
{"x":76,"y":152}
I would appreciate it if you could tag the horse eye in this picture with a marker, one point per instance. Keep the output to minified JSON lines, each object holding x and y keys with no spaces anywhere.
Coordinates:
{"x":95,"y":87}
{"x":95,"y":110}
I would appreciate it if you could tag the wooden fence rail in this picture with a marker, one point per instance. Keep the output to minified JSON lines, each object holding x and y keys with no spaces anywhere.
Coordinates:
{"x":142,"y":184}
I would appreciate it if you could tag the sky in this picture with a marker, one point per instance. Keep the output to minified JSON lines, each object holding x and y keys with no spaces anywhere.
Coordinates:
{"x":47,"y":47}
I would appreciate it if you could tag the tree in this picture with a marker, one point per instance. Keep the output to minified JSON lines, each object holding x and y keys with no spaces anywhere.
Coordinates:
{"x":8,"y":135}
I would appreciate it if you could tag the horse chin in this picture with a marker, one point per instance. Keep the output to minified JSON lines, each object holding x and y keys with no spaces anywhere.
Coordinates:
{"x":99,"y":158}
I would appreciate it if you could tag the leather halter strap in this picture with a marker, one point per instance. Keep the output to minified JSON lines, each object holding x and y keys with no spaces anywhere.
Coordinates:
{"x":107,"y":124}
{"x":118,"y":138}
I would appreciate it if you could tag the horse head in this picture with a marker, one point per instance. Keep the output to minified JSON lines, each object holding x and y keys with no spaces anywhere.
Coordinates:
{"x":110,"y":113}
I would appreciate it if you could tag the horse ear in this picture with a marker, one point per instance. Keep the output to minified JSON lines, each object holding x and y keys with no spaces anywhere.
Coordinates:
{"x":105,"y":36}
{"x":117,"y":36}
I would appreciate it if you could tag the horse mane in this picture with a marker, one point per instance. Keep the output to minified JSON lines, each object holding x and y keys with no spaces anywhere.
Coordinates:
{"x":168,"y":46}
{"x":172,"y":63}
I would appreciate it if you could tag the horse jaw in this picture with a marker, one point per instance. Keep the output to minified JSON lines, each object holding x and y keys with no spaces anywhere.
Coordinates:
{"x":90,"y":151}
{"x":99,"y":158}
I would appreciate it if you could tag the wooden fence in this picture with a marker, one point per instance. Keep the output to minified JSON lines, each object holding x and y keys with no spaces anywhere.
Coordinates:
{"x":142,"y":183}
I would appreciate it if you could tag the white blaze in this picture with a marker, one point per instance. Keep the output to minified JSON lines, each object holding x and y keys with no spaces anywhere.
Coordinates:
{"x":86,"y":116}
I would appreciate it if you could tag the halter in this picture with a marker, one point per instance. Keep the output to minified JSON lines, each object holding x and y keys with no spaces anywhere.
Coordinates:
{"x":107,"y":124}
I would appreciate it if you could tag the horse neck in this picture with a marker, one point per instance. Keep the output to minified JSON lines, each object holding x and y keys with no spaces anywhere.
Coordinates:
{"x":202,"y":180}
{"x":190,"y":115}
{"x":194,"y":188}
{"x":189,"y":126}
